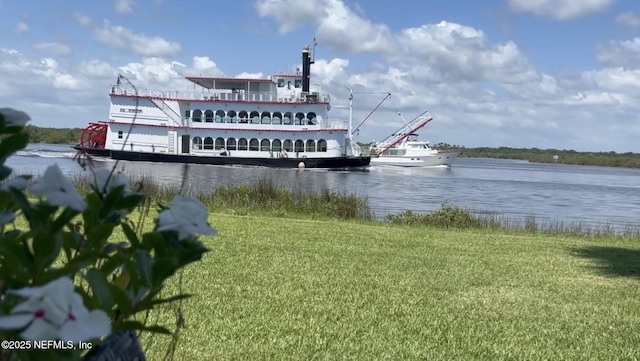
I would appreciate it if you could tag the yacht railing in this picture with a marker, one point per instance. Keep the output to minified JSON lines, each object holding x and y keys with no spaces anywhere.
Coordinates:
{"x":248,"y":96}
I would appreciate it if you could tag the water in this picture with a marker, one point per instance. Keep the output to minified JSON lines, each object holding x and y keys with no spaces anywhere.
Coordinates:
{"x":513,"y":189}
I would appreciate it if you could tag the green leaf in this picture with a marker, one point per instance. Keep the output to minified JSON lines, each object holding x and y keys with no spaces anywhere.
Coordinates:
{"x":46,"y":249}
{"x":16,"y":253}
{"x":5,"y":172}
{"x":130,"y":234}
{"x":63,"y":219}
{"x":155,"y":241}
{"x":123,"y":302}
{"x":98,"y":235}
{"x":163,"y":269}
{"x":101,"y":289}
{"x":130,"y":201}
{"x":13,"y":143}
{"x":144,"y":266}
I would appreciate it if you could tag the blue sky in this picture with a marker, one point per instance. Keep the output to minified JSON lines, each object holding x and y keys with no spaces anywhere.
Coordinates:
{"x":521,"y":73}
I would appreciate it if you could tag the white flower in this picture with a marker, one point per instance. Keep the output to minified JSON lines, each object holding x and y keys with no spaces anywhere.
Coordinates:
{"x":55,"y":312}
{"x":18,"y":183}
{"x":115,"y":180}
{"x":14,"y":117}
{"x":58,"y":189}
{"x":187,"y":216}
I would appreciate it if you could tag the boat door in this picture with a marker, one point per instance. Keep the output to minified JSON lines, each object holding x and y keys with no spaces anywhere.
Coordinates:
{"x":186,"y":143}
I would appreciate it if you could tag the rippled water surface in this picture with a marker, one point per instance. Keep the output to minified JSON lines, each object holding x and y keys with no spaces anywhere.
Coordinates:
{"x":514,"y":189}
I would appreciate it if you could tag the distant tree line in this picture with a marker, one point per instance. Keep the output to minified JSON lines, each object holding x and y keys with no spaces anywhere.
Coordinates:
{"x":53,"y":135}
{"x":535,"y":155}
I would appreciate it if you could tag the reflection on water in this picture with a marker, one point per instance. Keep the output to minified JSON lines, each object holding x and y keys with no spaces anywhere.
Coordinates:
{"x":512,"y":188}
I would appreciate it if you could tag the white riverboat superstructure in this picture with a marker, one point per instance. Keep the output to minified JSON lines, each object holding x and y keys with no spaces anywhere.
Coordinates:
{"x":274,"y":122}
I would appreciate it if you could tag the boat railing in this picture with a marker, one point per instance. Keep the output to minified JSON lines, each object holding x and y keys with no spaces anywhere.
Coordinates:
{"x":240,"y":124}
{"x":248,"y":96}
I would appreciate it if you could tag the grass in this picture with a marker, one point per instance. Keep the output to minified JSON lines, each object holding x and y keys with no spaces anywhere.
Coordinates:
{"x":298,"y":289}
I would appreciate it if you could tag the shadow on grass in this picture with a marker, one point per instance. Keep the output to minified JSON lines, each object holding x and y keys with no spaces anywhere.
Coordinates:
{"x":612,"y":261}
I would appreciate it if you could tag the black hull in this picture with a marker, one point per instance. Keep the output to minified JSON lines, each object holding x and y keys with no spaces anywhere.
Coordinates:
{"x":326,"y":163}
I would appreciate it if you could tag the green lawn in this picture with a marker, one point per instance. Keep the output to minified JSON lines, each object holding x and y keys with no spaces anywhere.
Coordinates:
{"x":296,"y":289}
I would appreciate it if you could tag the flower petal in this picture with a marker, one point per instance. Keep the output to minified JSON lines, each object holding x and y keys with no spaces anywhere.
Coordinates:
{"x":58,"y":189}
{"x":40,"y":330}
{"x":15,"y":322}
{"x":18,"y":183}
{"x":93,"y":325}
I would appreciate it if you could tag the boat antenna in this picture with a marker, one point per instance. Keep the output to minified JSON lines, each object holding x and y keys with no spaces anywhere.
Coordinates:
{"x":313,"y":51}
{"x":350,"y":110}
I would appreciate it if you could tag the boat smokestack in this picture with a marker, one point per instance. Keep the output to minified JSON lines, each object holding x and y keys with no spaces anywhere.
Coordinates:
{"x":306,"y":69}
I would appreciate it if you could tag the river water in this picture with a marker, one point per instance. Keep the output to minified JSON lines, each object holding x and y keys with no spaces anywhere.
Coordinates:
{"x":512,"y":189}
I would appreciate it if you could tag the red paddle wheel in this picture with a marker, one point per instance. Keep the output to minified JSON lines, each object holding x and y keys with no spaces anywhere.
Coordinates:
{"x":94,"y":136}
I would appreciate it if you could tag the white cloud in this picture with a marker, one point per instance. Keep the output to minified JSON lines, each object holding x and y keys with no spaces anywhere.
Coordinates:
{"x":245,"y":75}
{"x":53,"y":48}
{"x":119,"y":37}
{"x":480,"y":91}
{"x":629,"y":18}
{"x":624,"y":53}
{"x":22,"y":28}
{"x":82,"y":19}
{"x":124,"y":6}
{"x":560,"y":9}
{"x":334,"y":22}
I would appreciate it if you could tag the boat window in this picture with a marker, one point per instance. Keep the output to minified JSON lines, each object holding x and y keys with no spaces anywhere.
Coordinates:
{"x":311,"y":145}
{"x":220,"y":116}
{"x":265,"y":145}
{"x":289,"y":84}
{"x":120,"y":134}
{"x":197,"y":115}
{"x":187,"y":113}
{"x":208,"y":116}
{"x":242,"y":144}
{"x":311,"y":118}
{"x":233,"y":116}
{"x":288,"y":145}
{"x":299,"y":146}
{"x":266,"y":118}
{"x":287,"y":118}
{"x":280,"y":83}
{"x":277,"y":118}
{"x":231,"y":144}
{"x":276,"y":146}
{"x":208,"y":143}
{"x":322,"y":145}
{"x":197,"y":143}
{"x":254,"y":144}
{"x":299,"y":118}
{"x":219,"y":143}
{"x":298,"y":83}
{"x":244,"y":117}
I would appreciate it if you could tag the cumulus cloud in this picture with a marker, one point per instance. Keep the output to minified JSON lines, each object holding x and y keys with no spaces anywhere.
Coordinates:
{"x":22,"y":28}
{"x":119,"y":37}
{"x":629,"y":18}
{"x":124,"y":6}
{"x":560,"y":9}
{"x":480,"y":91}
{"x":53,"y":48}
{"x":624,"y":53}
